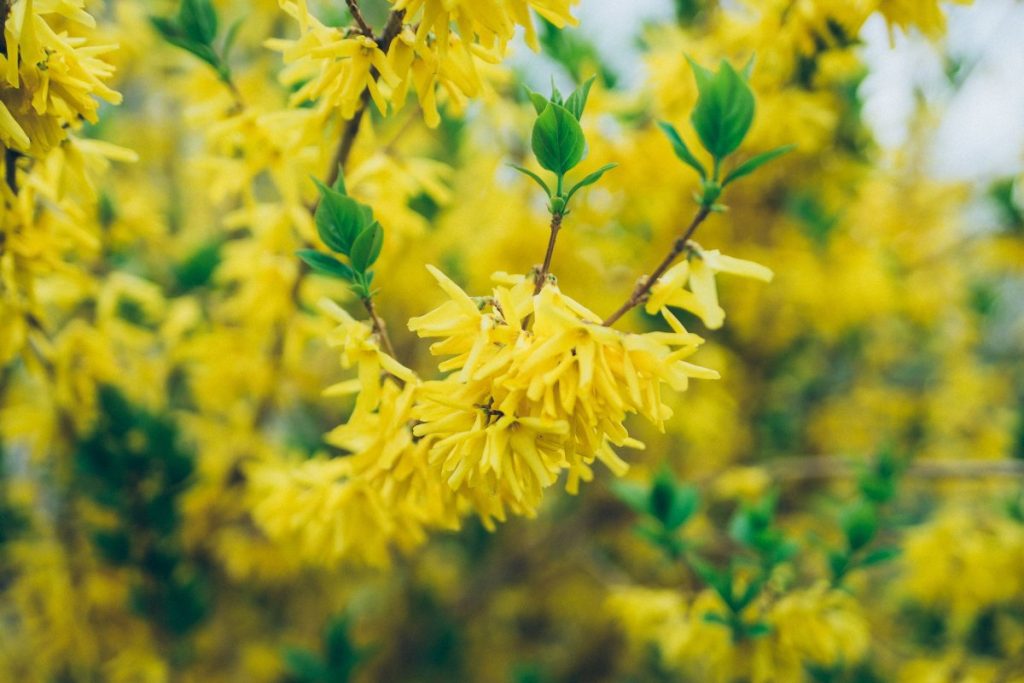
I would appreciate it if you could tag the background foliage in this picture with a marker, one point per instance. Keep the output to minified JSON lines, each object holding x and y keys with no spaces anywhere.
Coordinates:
{"x":176,"y":497}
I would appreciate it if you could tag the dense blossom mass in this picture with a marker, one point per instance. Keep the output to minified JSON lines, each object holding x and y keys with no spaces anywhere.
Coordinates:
{"x":332,"y":350}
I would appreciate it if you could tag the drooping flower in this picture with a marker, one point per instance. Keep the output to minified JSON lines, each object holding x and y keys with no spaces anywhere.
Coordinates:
{"x":538,"y":386}
{"x":334,"y":68}
{"x":698,"y":273}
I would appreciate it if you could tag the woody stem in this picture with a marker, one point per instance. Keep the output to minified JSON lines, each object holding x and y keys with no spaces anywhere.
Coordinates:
{"x":379,"y":327}
{"x":643,"y":287}
{"x":542,"y":274}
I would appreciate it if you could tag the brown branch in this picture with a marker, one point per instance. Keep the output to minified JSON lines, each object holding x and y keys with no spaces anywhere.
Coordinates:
{"x":347,"y":142}
{"x":357,"y":15}
{"x":542,"y":275}
{"x":379,"y":327}
{"x":818,"y":467}
{"x":643,"y":286}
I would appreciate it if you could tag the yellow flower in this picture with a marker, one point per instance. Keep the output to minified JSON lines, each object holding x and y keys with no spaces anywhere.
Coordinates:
{"x":698,"y":272}
{"x":489,"y":22}
{"x":333,"y":68}
{"x":360,"y":349}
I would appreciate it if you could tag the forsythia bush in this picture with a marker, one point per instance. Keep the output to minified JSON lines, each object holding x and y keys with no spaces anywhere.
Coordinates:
{"x":330,"y":351}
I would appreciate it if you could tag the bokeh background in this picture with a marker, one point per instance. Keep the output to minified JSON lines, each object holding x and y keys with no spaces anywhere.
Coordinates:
{"x":168,"y":508}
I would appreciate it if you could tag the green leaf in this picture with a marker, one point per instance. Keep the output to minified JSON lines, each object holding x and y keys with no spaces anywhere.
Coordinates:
{"x":684,"y":504}
{"x":838,"y":562}
{"x":325,"y":264}
{"x":341,"y":653}
{"x":304,"y":666}
{"x":590,"y":179}
{"x":724,"y":111}
{"x":860,"y":523}
{"x":577,"y":101}
{"x":366,"y":248}
{"x":670,"y":503}
{"x":663,"y":492}
{"x":716,"y":618}
{"x":556,"y":96}
{"x":174,"y":34}
{"x":758,"y":629}
{"x":704,"y":77}
{"x":166,"y":27}
{"x":198,"y":20}
{"x":880,"y":555}
{"x":538,"y":101}
{"x":558,"y":139}
{"x":198,"y":268}
{"x":751,"y":165}
{"x":339,"y":182}
{"x":681,"y":150}
{"x":340,"y":219}
{"x":231,"y":36}
{"x":537,"y":178}
{"x":743,"y":529}
{"x":879,"y":481}
{"x":719,"y":580}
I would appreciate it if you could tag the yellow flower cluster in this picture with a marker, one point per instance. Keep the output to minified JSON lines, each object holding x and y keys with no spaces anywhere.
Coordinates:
{"x":814,"y":627}
{"x":51,"y":77}
{"x":965,"y":562}
{"x":537,"y":387}
{"x":417,"y":50}
{"x":383,"y":493}
{"x":51,"y":74}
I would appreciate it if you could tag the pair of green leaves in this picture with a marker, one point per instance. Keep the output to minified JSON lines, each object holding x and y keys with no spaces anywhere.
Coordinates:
{"x":722,"y":118}
{"x":559,"y":143}
{"x":348,"y":228}
{"x":194,"y":29}
{"x":667,"y":506}
{"x":340,"y":657}
{"x":862,"y":520}
{"x":860,"y":524}
{"x":723,"y":582}
{"x":753,"y":526}
{"x":669,"y":502}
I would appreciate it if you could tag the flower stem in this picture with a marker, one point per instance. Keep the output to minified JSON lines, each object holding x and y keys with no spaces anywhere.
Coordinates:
{"x":357,"y":15}
{"x":643,"y":287}
{"x":542,"y":274}
{"x":379,"y":327}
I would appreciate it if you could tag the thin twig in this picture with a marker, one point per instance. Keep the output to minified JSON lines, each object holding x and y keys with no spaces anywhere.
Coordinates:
{"x":357,"y":15}
{"x":347,"y":141}
{"x":816,"y":467}
{"x":379,"y":327}
{"x":542,"y":275}
{"x":643,"y":287}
